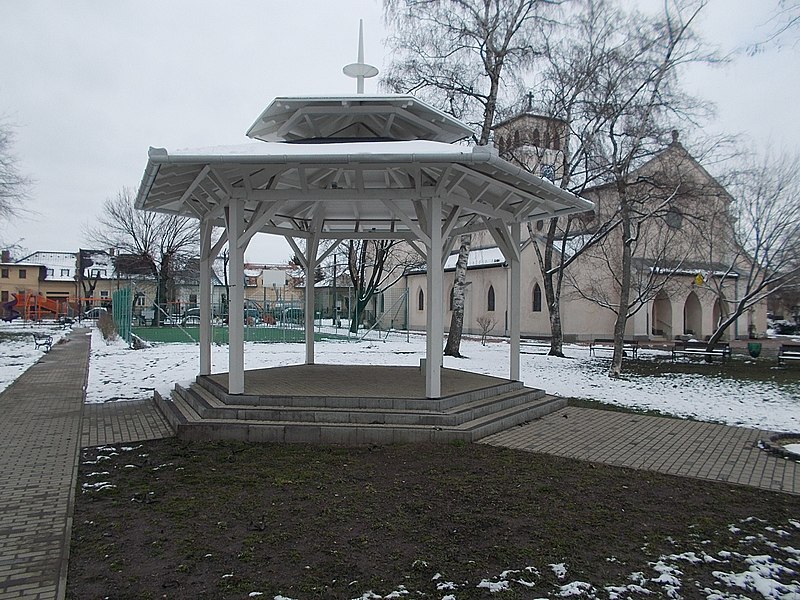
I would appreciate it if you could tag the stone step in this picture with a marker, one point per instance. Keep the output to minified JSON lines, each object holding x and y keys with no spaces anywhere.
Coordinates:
{"x":190,"y":425}
{"x":209,"y":406}
{"x":344,"y":402}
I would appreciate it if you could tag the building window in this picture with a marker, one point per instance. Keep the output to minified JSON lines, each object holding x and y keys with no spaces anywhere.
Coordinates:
{"x":536,"y":137}
{"x":23,"y":273}
{"x":94,"y":273}
{"x":49,"y":272}
{"x":537,"y":298}
{"x":4,"y":296}
{"x":104,"y":293}
{"x":490,"y":299}
{"x":421,"y":300}
{"x":192,"y":298}
{"x":4,"y":273}
{"x":103,"y":273}
{"x":139,"y":300}
{"x":65,"y":272}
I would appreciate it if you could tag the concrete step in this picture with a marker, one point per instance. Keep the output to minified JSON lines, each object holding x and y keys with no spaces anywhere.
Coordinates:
{"x":209,"y":406}
{"x":190,"y":425}
{"x":345,"y":402}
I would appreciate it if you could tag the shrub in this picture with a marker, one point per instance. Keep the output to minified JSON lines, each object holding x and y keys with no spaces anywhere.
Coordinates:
{"x":106,"y":325}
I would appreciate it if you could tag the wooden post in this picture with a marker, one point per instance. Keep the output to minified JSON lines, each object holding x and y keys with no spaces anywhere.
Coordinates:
{"x":435,"y":308}
{"x":235,"y":226}
{"x":205,"y":297}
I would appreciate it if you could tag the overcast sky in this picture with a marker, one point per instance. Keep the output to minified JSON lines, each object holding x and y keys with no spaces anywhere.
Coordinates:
{"x":91,"y":85}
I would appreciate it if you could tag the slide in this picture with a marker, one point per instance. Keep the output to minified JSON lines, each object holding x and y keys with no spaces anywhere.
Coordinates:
{"x":36,"y":306}
{"x":9,"y":310}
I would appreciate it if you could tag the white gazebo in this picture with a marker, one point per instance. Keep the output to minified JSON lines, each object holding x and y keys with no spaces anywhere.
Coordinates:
{"x":350,"y":167}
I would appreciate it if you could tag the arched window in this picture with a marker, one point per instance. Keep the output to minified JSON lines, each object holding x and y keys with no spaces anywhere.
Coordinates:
{"x":421,"y":300}
{"x":516,"y":138}
{"x":536,"y":138}
{"x":546,"y":139}
{"x":556,"y":142}
{"x":537,"y":298}
{"x":452,"y":296}
{"x":490,"y":299}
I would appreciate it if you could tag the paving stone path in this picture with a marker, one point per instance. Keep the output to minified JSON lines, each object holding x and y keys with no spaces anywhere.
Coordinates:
{"x":39,"y":445}
{"x":673,"y":446}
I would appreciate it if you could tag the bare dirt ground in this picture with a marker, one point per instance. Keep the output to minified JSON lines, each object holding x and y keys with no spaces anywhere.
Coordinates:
{"x":171,"y":519}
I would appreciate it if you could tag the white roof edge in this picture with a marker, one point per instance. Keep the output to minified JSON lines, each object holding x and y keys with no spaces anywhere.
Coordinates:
{"x":474,"y":155}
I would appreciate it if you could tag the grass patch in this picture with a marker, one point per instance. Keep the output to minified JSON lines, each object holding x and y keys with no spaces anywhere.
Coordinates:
{"x":224,"y":519}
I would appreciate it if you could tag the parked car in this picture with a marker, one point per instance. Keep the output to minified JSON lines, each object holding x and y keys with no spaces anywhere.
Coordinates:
{"x":293,"y":315}
{"x":95,"y":313}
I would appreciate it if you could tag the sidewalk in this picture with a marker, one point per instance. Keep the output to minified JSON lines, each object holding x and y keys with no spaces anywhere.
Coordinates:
{"x":671,"y":446}
{"x":39,"y":445}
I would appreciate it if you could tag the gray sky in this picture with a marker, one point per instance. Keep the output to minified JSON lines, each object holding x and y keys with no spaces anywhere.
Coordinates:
{"x":92,"y":84}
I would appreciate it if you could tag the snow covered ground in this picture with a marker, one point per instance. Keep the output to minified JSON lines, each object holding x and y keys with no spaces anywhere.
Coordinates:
{"x":118,"y":373}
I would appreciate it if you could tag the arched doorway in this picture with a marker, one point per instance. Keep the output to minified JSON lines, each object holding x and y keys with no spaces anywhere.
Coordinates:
{"x":662,"y":316}
{"x":693,"y":317}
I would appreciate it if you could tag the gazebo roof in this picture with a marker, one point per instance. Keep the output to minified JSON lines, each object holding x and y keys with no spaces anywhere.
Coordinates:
{"x":396,"y":117}
{"x":362,"y":189}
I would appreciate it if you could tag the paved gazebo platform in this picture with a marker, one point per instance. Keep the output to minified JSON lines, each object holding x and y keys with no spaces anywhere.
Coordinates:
{"x":348,"y":404}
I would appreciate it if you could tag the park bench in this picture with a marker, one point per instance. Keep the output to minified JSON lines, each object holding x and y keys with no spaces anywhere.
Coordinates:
{"x":722,"y":349}
{"x":42,"y":340}
{"x":540,"y":344}
{"x":631,"y":346}
{"x":788,"y":352}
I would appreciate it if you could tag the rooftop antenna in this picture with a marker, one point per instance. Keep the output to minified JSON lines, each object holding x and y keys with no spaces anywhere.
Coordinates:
{"x":360,"y":70}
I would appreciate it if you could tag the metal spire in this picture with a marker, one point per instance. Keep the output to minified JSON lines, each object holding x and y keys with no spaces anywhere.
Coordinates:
{"x":360,"y":70}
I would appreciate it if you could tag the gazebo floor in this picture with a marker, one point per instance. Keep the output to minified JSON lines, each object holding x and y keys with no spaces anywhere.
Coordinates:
{"x":351,"y":405}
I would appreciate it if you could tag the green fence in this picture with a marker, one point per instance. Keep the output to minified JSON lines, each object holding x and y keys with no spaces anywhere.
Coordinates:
{"x":121,"y":310}
{"x":220,"y":334}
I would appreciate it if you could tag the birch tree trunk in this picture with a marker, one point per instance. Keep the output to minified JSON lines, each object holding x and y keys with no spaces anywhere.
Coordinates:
{"x":452,"y":348}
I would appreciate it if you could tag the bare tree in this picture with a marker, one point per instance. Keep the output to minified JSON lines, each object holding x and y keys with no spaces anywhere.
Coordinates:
{"x":616,"y":84}
{"x":374,"y":266}
{"x":762,"y":256}
{"x":161,"y":242}
{"x":458,"y":54}
{"x":486,"y":323}
{"x":13,"y":185}
{"x":783,"y":23}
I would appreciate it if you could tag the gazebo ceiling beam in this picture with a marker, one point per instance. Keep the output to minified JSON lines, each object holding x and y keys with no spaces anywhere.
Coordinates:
{"x":414,"y":227}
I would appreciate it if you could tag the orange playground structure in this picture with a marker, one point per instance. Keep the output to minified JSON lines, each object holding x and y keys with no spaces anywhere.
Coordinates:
{"x":35,"y":307}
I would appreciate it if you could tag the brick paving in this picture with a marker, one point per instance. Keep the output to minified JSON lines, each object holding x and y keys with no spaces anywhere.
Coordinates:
{"x":122,"y":422}
{"x":672,"y":446}
{"x":39,"y":445}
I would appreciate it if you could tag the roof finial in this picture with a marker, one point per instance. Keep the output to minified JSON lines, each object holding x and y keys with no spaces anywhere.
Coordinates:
{"x":360,"y":70}
{"x":529,"y":108}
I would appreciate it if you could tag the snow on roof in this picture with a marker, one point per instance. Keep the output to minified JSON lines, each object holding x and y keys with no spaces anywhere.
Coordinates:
{"x":309,"y":151}
{"x":478,"y":258}
{"x":55,"y":263}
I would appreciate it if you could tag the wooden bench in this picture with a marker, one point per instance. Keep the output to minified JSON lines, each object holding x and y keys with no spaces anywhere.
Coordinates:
{"x":631,"y":346}
{"x":722,"y":349}
{"x":788,"y":352}
{"x":41,"y":340}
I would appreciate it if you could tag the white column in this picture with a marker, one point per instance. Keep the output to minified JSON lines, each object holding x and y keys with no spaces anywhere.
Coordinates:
{"x":205,"y":297}
{"x":514,"y":303}
{"x":235,"y":225}
{"x":311,"y":267}
{"x":435,"y":313}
